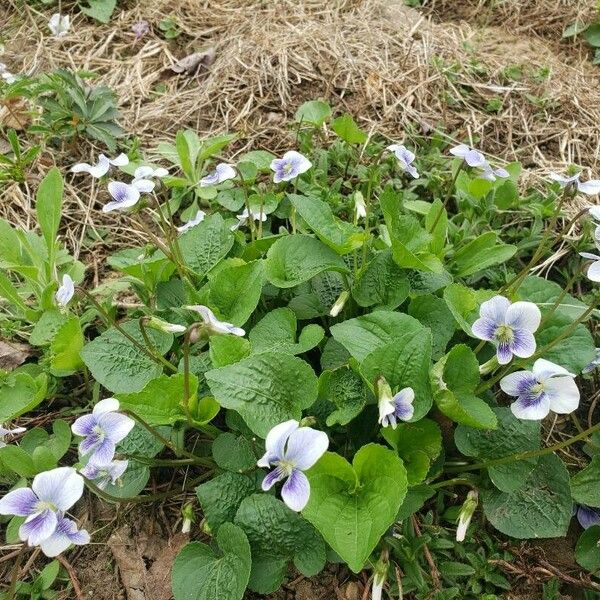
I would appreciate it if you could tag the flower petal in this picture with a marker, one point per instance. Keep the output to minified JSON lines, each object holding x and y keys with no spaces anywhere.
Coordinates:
{"x":593,"y":271}
{"x":124,"y":196}
{"x":563,"y":394}
{"x":474,"y":158}
{"x":143,"y":172}
{"x":120,"y":161}
{"x":524,"y":315}
{"x":531,"y":408}
{"x":523,"y":343}
{"x":65,"y":534}
{"x":564,"y":180}
{"x":272,"y":478}
{"x":116,"y":426}
{"x":589,"y":255}
{"x":403,"y":400}
{"x":276,"y":440}
{"x":83,"y":426}
{"x":495,"y":309}
{"x":305,"y":447}
{"x":503,"y":353}
{"x":105,"y":406}
{"x":544,"y":369}
{"x":62,"y":487}
{"x":588,"y":516}
{"x":460,"y":150}
{"x":594,"y":212}
{"x":518,"y":383}
{"x":484,"y":328}
{"x":143,"y":185}
{"x":591,"y":187}
{"x":104,"y":452}
{"x":38,"y":527}
{"x":296,"y":491}
{"x":20,"y":502}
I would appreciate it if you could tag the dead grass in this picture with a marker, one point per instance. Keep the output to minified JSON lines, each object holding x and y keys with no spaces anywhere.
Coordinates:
{"x":399,"y":71}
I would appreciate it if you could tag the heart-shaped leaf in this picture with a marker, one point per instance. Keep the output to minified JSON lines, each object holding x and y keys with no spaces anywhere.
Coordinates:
{"x":353,"y":505}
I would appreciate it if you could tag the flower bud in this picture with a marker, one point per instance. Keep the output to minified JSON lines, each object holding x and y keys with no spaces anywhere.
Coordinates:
{"x":156,"y":323}
{"x":466,"y":514}
{"x":188,"y":518}
{"x":380,"y":571}
{"x":336,"y":309}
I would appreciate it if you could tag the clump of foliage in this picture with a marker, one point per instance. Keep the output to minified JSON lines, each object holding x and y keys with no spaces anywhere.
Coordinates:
{"x":343,"y":349}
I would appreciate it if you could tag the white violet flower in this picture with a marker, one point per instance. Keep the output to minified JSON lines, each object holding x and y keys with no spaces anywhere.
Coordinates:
{"x":102,"y":166}
{"x":59,"y":25}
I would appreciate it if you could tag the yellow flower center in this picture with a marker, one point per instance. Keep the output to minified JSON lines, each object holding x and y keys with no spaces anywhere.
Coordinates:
{"x":504,"y":334}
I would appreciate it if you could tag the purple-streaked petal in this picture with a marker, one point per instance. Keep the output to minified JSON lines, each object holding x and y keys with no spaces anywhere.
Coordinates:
{"x":563,"y":394}
{"x":272,"y":478}
{"x":89,"y":443}
{"x":495,"y":309}
{"x":20,"y":502}
{"x":65,"y":534}
{"x":593,"y":271}
{"x":503,"y":353}
{"x":275,"y":442}
{"x":84,"y":426}
{"x":484,"y":328}
{"x":300,"y":163}
{"x":115,"y":425}
{"x":65,"y":291}
{"x":588,"y":516}
{"x":305,"y":447}
{"x":523,"y":343}
{"x":518,"y":383}
{"x":105,"y":406}
{"x":403,"y":400}
{"x":38,"y":527}
{"x":124,"y":196}
{"x":460,"y":150}
{"x":531,"y":407}
{"x":412,"y":171}
{"x":104,"y":452}
{"x":487,"y":174}
{"x":62,"y":487}
{"x":590,"y":187}
{"x":475,"y":159}
{"x":143,"y":185}
{"x":296,"y":491}
{"x":524,"y":315}
{"x":544,"y":369}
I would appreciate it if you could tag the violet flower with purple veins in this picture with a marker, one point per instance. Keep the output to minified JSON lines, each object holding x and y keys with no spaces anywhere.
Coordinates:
{"x":472,"y":157}
{"x":405,"y":158}
{"x":141,"y":28}
{"x":588,"y":516}
{"x":509,"y":326}
{"x":591,"y":187}
{"x":65,"y":534}
{"x":223,"y":172}
{"x":51,"y":494}
{"x":102,"y":431}
{"x":102,"y":166}
{"x":102,"y":475}
{"x":491,"y":174}
{"x":4,"y":433}
{"x":292,"y":449}
{"x":65,"y":292}
{"x":546,"y":387}
{"x":394,"y":407}
{"x":289,"y":166}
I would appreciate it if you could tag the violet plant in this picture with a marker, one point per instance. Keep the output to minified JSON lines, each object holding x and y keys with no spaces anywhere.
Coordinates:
{"x":306,"y":327}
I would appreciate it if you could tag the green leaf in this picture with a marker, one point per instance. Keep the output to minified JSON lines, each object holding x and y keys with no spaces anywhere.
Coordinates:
{"x":276,"y":533}
{"x":200,"y":574}
{"x":276,"y":332}
{"x":574,"y":352}
{"x":585,"y":485}
{"x":48,"y":205}
{"x":434,"y":313}
{"x":417,"y":444}
{"x":10,"y":246}
{"x":261,"y":159}
{"x":540,"y":508}
{"x":352,"y":506}
{"x":437,"y":217}
{"x":592,"y":35}
{"x":481,"y":253}
{"x":405,"y":362}
{"x":48,"y":326}
{"x":20,"y":393}
{"x":135,"y":262}
{"x":101,"y":10}
{"x":266,"y":389}
{"x":574,"y":29}
{"x":381,"y":283}
{"x":294,"y":259}
{"x":345,"y":390}
{"x":161,"y":401}
{"x":363,"y":335}
{"x":233,"y":453}
{"x":18,"y":461}
{"x":454,"y":379}
{"x":511,"y":436}
{"x":227,"y":349}
{"x":235,"y":291}
{"x":65,"y":348}
{"x":206,"y":244}
{"x":313,"y":112}
{"x":348,"y":130}
{"x":341,"y":236}
{"x":464,"y":304}
{"x":117,"y":364}
{"x":214,"y":145}
{"x":10,"y":293}
{"x":221,"y":497}
{"x":587,"y":551}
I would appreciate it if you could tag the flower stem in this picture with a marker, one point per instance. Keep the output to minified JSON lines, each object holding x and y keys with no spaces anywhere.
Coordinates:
{"x":447,"y":198}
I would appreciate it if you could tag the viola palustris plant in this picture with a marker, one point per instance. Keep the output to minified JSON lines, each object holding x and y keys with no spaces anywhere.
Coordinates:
{"x":362,"y":351}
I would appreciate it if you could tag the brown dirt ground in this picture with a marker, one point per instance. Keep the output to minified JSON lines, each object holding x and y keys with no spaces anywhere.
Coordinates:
{"x":399,"y":71}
